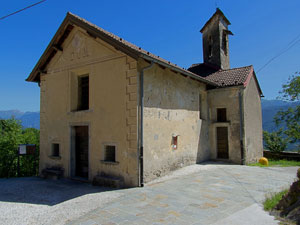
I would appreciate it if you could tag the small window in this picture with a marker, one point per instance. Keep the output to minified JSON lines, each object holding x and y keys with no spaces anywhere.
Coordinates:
{"x":110,"y":153}
{"x":175,"y":142}
{"x":55,"y":150}
{"x":83,"y":92}
{"x":221,"y":115}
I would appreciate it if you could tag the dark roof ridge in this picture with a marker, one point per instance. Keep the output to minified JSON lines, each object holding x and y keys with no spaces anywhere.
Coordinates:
{"x":236,"y":68}
{"x":206,"y":64}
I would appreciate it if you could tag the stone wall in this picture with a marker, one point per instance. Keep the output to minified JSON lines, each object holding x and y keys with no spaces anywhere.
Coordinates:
{"x":171,"y":109}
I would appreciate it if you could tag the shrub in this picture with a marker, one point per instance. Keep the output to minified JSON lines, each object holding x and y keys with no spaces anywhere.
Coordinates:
{"x":274,"y":141}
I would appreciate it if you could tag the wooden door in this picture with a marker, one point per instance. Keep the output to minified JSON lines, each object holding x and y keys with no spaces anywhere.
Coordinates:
{"x":81,"y":151}
{"x":222,"y":142}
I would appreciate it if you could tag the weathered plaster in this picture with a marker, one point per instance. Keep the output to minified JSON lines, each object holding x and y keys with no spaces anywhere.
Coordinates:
{"x":253,"y":123}
{"x":112,"y":110}
{"x":171,"y":108}
{"x":225,"y":98}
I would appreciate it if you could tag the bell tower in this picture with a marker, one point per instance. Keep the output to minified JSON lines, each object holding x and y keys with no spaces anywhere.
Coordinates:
{"x":215,"y":41}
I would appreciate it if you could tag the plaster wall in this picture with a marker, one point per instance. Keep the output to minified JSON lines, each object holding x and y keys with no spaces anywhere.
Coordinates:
{"x":112,"y":113}
{"x":225,"y":98}
{"x":253,"y":123}
{"x":171,"y":108}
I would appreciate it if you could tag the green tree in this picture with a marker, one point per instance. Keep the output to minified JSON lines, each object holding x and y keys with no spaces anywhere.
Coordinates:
{"x":11,"y":136}
{"x":291,"y":116}
{"x":274,"y":141}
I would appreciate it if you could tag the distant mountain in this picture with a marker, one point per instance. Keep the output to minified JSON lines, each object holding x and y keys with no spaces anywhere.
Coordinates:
{"x":29,"y":119}
{"x":269,"y":110}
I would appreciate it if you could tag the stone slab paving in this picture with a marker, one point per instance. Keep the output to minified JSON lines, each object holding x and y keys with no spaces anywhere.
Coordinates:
{"x":209,"y":194}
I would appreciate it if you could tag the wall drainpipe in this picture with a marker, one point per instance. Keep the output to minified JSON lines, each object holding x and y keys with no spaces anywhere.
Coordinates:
{"x":242,"y":128}
{"x":141,"y":146}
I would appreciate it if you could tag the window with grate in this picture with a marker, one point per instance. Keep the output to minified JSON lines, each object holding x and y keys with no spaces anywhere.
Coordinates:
{"x":83,"y":92}
{"x":110,"y":153}
{"x":221,"y":115}
{"x":55,"y":149}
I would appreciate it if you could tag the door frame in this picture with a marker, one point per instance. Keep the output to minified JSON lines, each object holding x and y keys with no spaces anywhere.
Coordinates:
{"x":72,"y":162}
{"x":214,"y":147}
{"x":216,"y":134}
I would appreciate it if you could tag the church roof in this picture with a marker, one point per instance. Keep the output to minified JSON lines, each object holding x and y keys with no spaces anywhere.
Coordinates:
{"x":119,"y":43}
{"x":225,"y":78}
{"x":202,"y":72}
{"x":231,"y":77}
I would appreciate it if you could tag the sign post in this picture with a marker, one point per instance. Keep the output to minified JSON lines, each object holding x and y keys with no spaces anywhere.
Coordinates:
{"x":25,"y":149}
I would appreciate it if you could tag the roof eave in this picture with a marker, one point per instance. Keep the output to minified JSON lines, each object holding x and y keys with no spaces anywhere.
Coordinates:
{"x":252,"y":73}
{"x":35,"y":72}
{"x":177,"y":69}
{"x":94,"y":31}
{"x":72,"y":20}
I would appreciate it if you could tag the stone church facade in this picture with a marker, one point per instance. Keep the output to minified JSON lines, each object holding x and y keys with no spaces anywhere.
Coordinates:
{"x":114,"y":112}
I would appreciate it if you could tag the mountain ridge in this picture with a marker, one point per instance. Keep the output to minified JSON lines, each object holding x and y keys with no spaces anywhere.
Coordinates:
{"x":28,"y":119}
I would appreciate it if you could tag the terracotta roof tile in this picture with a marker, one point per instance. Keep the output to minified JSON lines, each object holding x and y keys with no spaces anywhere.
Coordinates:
{"x":230,"y":77}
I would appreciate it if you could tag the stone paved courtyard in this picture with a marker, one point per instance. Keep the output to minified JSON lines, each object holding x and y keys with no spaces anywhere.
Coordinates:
{"x":199,"y":194}
{"x":220,"y":194}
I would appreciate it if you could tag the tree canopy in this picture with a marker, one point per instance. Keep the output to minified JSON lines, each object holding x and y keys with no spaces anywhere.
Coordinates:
{"x":291,"y":116}
{"x":11,"y":136}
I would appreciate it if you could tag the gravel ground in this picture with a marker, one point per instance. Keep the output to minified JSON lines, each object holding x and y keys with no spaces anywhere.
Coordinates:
{"x":33,"y":200}
{"x":38,"y":201}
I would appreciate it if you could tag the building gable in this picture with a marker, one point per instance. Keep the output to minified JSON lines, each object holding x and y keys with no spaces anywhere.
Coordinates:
{"x":94,"y":31}
{"x":80,"y":49}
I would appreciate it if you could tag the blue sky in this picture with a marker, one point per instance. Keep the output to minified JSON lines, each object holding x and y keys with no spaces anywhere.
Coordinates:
{"x":168,"y":28}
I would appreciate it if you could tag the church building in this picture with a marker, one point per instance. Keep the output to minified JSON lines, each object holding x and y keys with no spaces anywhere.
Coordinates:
{"x":114,"y":113}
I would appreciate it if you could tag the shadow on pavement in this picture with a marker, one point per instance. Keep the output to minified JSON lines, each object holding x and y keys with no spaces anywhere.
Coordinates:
{"x":35,"y":190}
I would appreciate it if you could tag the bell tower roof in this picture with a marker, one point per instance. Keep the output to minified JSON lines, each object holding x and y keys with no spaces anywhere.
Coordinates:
{"x":219,"y":14}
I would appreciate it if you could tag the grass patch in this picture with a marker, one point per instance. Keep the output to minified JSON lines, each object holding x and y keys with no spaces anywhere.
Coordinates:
{"x":282,"y":163}
{"x":273,"y":200}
